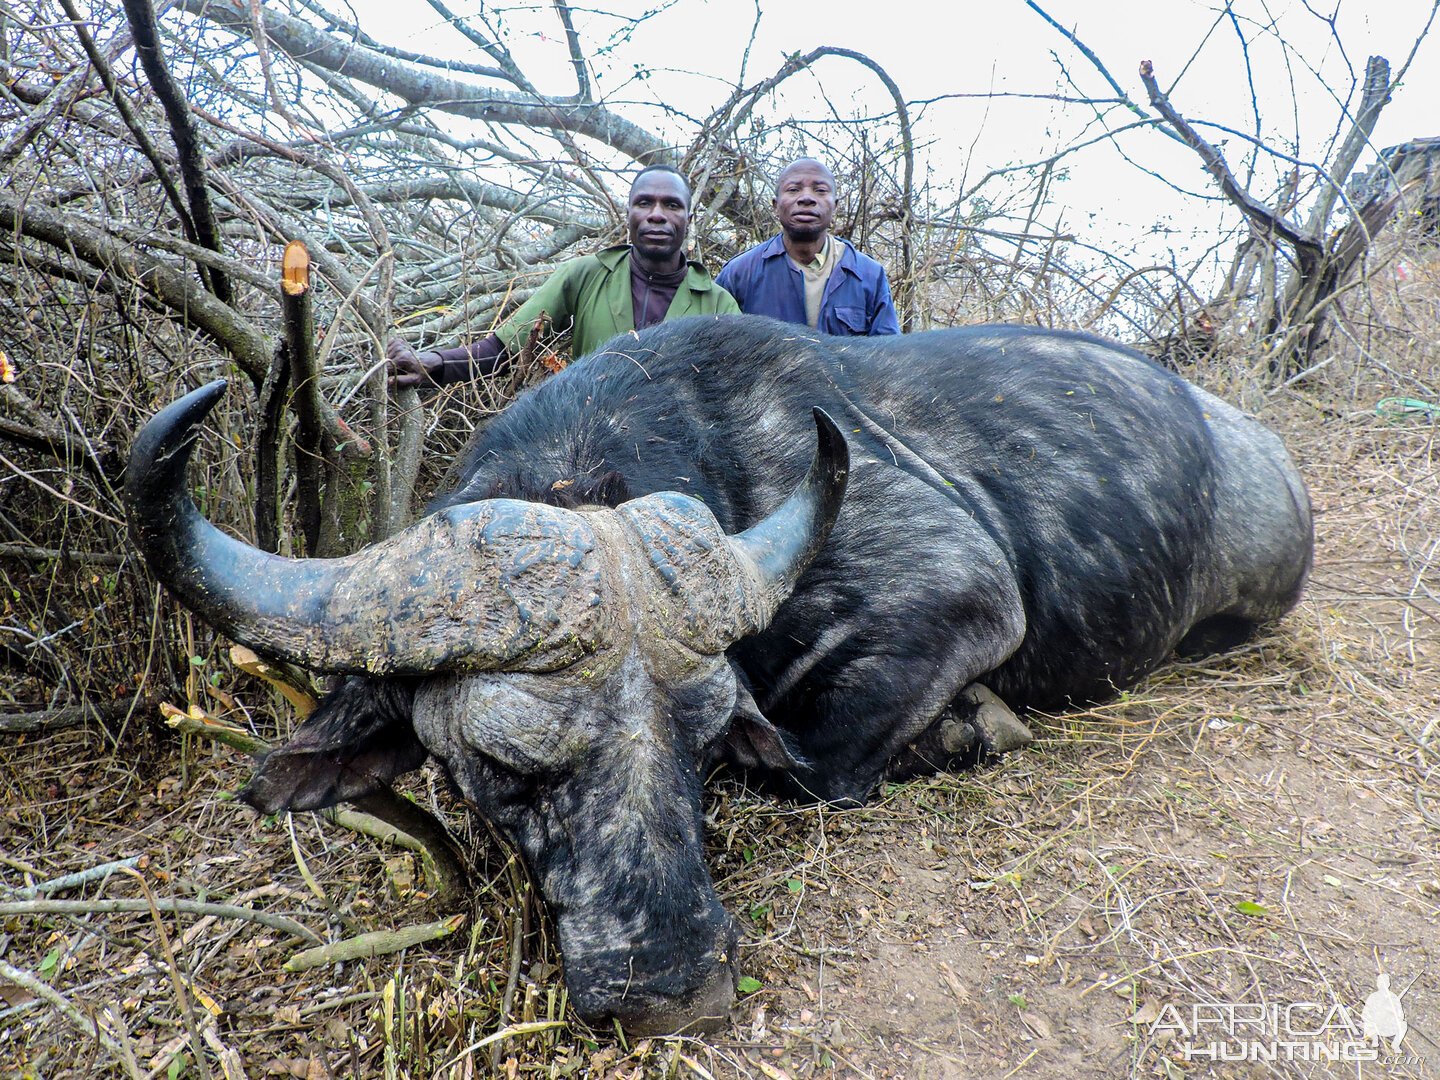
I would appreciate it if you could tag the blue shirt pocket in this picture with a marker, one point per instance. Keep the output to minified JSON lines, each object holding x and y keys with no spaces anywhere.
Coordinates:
{"x":851,"y":320}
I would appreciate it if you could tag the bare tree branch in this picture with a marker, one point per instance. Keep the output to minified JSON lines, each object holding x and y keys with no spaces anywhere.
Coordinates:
{"x":1307,"y":249}
{"x":445,"y":94}
{"x":86,"y":240}
{"x":182,"y":129}
{"x":577,"y":54}
{"x":132,"y":120}
{"x":1373,"y":99}
{"x":54,"y":101}
{"x":354,"y":32}
{"x":1121,"y":97}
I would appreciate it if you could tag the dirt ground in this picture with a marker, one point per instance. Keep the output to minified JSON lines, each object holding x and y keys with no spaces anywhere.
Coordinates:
{"x":1224,"y":861}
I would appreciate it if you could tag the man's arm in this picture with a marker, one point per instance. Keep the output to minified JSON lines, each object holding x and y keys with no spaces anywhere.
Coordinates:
{"x":409,"y":370}
{"x":725,"y":303}
{"x":883,"y":319}
{"x":554,"y":301}
{"x":729,"y":279}
{"x":441,"y":367}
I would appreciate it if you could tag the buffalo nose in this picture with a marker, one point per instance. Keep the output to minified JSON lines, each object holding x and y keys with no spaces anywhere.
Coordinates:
{"x":705,"y":1011}
{"x":676,"y":992}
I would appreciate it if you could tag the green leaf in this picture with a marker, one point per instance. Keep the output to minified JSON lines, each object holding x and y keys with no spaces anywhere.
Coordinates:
{"x":1018,"y":1000}
{"x":1249,"y":907}
{"x":747,"y":985}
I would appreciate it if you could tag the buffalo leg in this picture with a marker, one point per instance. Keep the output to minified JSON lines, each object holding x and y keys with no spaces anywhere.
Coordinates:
{"x":974,"y":728}
{"x":854,"y":680}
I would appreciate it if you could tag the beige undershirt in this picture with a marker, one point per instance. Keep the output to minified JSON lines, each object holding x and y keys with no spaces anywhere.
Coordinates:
{"x":817,"y":273}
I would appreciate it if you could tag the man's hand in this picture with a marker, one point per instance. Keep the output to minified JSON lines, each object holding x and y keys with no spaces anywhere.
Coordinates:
{"x":409,"y":370}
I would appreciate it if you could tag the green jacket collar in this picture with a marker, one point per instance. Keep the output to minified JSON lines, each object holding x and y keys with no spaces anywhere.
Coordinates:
{"x":697,"y":278}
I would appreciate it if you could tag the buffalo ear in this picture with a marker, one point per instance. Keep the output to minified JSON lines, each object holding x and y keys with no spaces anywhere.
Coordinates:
{"x":753,"y":742}
{"x":607,"y":490}
{"x":355,"y":744}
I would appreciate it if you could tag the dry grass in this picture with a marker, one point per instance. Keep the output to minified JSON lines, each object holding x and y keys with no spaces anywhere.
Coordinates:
{"x":1259,"y":827}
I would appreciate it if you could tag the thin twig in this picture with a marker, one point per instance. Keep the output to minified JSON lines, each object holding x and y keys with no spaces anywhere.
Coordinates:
{"x":183,"y":907}
{"x":62,"y":1005}
{"x":80,"y":877}
{"x":1307,"y":249}
{"x":182,"y":995}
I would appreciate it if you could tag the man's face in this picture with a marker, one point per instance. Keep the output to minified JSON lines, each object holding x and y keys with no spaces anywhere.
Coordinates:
{"x":805,"y":200}
{"x":659,"y":215}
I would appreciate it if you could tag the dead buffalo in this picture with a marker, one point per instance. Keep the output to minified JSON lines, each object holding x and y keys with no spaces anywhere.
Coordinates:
{"x":632,"y":579}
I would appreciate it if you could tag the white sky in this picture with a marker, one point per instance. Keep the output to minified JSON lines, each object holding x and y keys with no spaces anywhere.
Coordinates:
{"x":694,"y":51}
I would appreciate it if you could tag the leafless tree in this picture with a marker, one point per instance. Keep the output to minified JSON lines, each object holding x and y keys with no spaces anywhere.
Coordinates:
{"x":1303,"y":268}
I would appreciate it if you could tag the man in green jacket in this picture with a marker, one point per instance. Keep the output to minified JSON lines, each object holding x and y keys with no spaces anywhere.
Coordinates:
{"x":627,"y":287}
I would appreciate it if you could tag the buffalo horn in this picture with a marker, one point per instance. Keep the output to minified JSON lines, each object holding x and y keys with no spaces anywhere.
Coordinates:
{"x":478,"y":587}
{"x":779,"y":548}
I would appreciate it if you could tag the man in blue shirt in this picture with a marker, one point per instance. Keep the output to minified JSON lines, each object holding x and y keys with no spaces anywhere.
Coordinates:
{"x":805,"y":275}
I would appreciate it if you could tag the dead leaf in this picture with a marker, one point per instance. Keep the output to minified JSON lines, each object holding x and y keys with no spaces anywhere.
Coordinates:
{"x":952,"y":981}
{"x":771,"y":1071}
{"x":1147,"y":1014}
{"x":13,"y":995}
{"x":1038,"y":1025}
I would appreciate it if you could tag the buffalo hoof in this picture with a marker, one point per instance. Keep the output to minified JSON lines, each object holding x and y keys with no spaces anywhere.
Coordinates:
{"x":998,"y":729}
{"x":975,"y":728}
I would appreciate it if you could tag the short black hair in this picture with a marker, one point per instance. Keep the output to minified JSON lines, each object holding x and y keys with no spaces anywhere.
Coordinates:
{"x":667,"y":169}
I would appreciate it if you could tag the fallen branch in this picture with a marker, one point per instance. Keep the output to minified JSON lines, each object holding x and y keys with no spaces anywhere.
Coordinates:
{"x":174,"y":906}
{"x":71,"y":716}
{"x":80,"y":877}
{"x":61,"y":1004}
{"x":385,"y":815}
{"x":68,"y":555}
{"x":378,"y":943}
